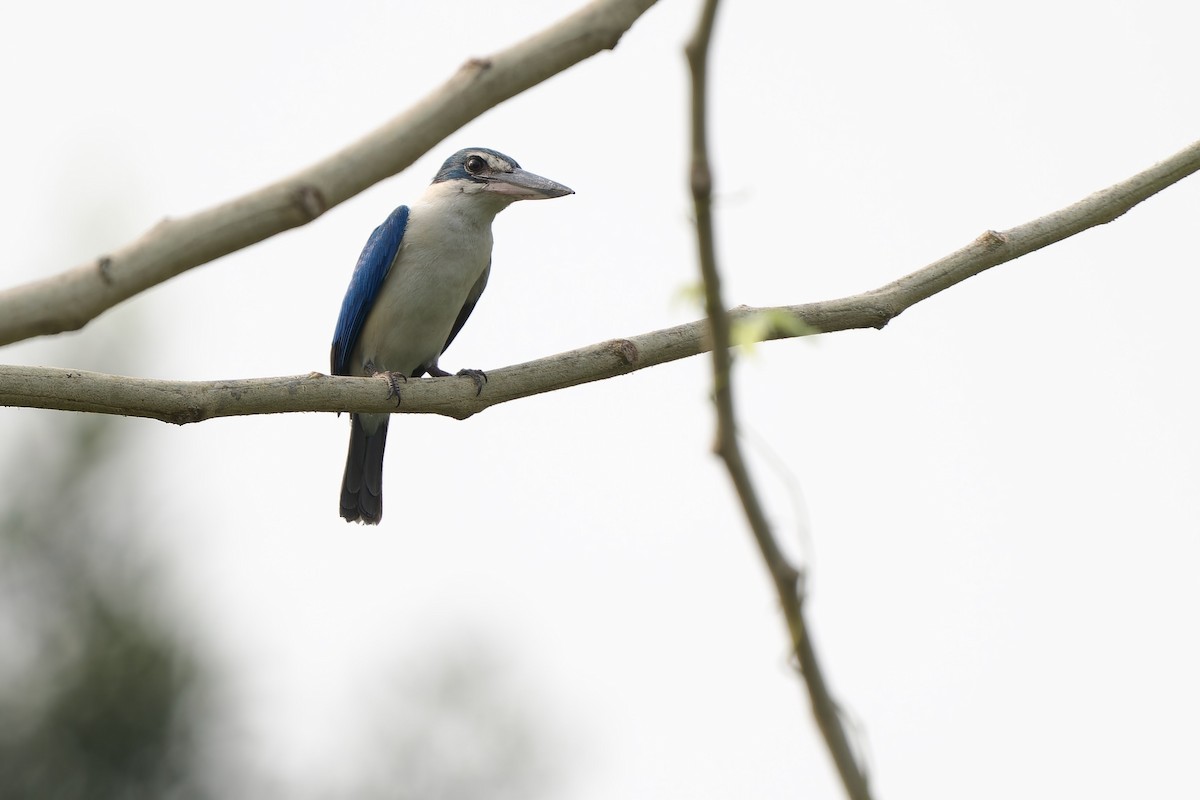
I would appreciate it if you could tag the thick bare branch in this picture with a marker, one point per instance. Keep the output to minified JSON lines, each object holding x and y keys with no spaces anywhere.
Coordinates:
{"x":71,"y":299}
{"x":789,"y":583}
{"x":192,"y":401}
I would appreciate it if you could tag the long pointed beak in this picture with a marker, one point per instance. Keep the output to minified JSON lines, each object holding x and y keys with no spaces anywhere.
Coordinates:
{"x":522,"y":185}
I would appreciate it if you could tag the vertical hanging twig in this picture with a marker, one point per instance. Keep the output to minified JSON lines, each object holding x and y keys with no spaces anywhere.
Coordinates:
{"x":787,"y":579}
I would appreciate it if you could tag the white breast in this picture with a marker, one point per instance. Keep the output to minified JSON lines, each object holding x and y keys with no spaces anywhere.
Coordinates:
{"x":445,"y":250}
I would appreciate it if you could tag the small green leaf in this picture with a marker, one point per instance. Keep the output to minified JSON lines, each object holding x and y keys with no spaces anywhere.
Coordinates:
{"x":763,"y":325}
{"x":690,"y":294}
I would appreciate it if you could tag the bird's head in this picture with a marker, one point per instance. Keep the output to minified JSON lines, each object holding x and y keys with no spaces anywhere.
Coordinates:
{"x":483,"y":172}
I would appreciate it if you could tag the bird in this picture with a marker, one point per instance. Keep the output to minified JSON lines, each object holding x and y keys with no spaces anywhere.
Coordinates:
{"x":415,"y":284}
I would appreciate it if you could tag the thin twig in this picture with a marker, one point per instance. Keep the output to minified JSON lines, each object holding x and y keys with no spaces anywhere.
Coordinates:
{"x":71,"y":299}
{"x":787,"y":579}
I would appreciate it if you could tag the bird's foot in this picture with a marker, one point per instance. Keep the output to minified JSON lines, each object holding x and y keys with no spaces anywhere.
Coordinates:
{"x":477,"y":375}
{"x":434,"y":371}
{"x":394,"y":379}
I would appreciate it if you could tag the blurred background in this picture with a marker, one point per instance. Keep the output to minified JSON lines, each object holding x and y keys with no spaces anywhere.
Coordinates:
{"x":996,"y":496}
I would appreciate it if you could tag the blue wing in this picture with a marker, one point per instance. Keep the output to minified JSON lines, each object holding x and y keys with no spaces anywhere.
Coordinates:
{"x":372,"y":268}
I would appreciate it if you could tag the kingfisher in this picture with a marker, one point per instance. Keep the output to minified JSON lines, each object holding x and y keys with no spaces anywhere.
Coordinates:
{"x":418,"y":279}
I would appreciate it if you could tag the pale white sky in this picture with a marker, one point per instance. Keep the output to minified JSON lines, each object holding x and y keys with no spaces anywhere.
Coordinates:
{"x":1001,"y":487}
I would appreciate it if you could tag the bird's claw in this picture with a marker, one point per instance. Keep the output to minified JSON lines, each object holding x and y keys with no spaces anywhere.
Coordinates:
{"x":477,"y":375}
{"x":393,"y":381}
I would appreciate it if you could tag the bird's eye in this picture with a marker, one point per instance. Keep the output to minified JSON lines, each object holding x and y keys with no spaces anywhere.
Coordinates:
{"x":475,"y":165}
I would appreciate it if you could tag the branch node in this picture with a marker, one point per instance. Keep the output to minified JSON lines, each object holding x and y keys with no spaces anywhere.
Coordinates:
{"x":884,"y":316}
{"x":991,"y":240}
{"x":186,"y":416}
{"x":475,"y":65}
{"x":625,"y":350}
{"x":310,"y":201}
{"x":104,"y":268}
{"x":701,"y":180}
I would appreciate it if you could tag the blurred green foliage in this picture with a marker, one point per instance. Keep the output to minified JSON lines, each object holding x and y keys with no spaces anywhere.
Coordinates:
{"x":93,"y":690}
{"x":103,"y":694}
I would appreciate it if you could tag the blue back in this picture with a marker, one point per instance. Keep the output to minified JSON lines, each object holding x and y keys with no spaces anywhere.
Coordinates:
{"x":372,"y":268}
